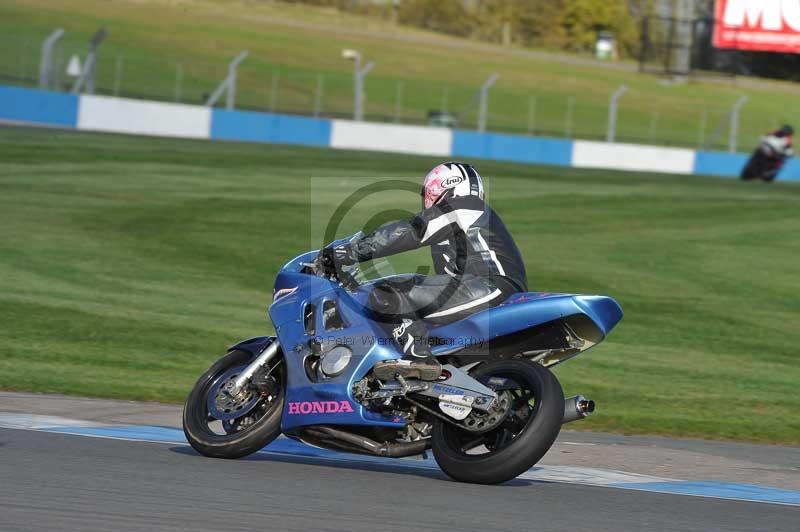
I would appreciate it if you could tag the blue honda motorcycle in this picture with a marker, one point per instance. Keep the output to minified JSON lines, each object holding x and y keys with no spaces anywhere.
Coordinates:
{"x":494,"y":412}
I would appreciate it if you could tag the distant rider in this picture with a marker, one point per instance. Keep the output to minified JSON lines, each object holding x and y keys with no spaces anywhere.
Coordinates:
{"x":770,"y":156}
{"x":780,"y":141}
{"x":476,"y":261}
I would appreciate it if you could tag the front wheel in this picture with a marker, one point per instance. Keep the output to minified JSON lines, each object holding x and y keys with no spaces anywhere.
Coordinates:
{"x":534,"y":409}
{"x":221,"y":426}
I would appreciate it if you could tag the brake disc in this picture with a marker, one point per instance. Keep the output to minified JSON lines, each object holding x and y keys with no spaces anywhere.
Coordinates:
{"x":225,"y":406}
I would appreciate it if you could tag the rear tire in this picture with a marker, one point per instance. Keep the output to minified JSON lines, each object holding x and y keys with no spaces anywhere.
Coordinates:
{"x":249,"y":439}
{"x":526,"y":447}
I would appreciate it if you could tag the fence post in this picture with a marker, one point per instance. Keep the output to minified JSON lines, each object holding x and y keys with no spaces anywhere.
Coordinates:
{"x":359,"y":74}
{"x":232,"y":70}
{"x":733,"y":132}
{"x":483,"y":108}
{"x":318,"y":95}
{"x":613,"y":104}
{"x":46,"y":61}
{"x":228,"y":85}
{"x":87,"y":78}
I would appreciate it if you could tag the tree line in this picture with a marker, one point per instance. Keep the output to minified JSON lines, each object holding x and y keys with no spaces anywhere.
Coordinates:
{"x":573,"y":26}
{"x":570,"y":25}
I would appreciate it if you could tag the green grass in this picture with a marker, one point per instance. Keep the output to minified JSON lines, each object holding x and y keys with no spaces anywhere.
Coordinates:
{"x":151,"y":38}
{"x":128,"y":264}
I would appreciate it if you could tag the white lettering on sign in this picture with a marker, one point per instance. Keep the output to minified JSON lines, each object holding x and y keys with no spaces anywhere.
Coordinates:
{"x":766,"y":25}
{"x":752,"y":12}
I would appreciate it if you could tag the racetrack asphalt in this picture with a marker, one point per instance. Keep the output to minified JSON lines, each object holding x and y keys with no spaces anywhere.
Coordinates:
{"x":768,"y":465}
{"x":71,"y":483}
{"x":55,"y":478}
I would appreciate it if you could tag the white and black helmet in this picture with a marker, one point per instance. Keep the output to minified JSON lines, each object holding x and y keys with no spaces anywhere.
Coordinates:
{"x":451,"y":180}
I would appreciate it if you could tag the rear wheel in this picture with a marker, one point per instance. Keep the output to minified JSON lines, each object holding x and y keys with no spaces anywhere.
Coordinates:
{"x":533,"y":402}
{"x":221,"y":426}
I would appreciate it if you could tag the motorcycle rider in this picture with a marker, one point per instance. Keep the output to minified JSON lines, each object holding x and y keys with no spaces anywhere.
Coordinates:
{"x":770,"y":156}
{"x":780,"y":141}
{"x":476,"y":261}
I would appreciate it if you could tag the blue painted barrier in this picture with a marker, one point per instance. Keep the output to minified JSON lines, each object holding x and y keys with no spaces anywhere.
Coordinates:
{"x":512,"y":148}
{"x":731,"y":164}
{"x":38,"y":107}
{"x":269,"y":127}
{"x":719,"y":164}
{"x":790,"y":172}
{"x":58,"y":109}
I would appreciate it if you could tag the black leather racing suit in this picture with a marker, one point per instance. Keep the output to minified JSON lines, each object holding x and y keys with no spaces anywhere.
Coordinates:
{"x":477,"y":266}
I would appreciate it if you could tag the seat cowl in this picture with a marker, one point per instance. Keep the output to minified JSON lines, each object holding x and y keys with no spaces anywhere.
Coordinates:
{"x":522,"y":311}
{"x":604,"y":311}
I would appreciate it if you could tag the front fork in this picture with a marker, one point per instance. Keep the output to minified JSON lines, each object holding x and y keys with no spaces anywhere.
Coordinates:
{"x":238,"y":385}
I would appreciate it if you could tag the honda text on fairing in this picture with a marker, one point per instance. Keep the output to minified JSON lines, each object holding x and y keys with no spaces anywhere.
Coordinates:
{"x":494,"y":411}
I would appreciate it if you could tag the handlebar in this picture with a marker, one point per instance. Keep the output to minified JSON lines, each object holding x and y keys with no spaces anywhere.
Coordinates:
{"x":334,"y":272}
{"x":329,"y":268}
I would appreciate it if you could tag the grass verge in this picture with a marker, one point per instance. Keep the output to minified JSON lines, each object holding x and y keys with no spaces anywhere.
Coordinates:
{"x":128,"y":264}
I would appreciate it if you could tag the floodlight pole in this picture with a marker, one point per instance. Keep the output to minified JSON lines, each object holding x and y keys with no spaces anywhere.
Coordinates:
{"x":46,"y":61}
{"x":483,"y":106}
{"x":87,"y":78}
{"x":228,"y":85}
{"x":613,"y":105}
{"x":733,"y":133}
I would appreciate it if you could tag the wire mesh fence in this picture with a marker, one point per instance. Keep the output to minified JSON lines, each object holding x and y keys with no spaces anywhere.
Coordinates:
{"x":266,"y":86}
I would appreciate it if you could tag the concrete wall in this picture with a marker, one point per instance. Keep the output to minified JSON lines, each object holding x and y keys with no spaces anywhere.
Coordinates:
{"x":139,"y":117}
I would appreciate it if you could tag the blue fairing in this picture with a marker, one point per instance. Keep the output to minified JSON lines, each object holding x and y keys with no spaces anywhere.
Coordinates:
{"x":311,"y":400}
{"x":365,"y":339}
{"x":525,"y":310}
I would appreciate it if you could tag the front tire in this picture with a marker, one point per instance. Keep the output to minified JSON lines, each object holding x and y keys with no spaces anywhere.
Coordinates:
{"x":519,"y":442}
{"x":238,"y":436}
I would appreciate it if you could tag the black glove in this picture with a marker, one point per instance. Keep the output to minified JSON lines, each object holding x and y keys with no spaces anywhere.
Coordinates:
{"x":327,"y":259}
{"x":341,"y":255}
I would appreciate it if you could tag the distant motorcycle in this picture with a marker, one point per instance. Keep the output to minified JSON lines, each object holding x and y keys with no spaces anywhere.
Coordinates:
{"x":495,"y":411}
{"x":770,"y":156}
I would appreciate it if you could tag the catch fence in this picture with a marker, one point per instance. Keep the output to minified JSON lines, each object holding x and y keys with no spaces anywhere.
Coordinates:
{"x":262,"y":85}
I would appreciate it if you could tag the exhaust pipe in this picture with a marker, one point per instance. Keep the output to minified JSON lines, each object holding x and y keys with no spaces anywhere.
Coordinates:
{"x":347,"y":441}
{"x":576,"y":408}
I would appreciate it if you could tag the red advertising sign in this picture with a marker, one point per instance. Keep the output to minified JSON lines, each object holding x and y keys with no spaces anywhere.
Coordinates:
{"x":759,"y":25}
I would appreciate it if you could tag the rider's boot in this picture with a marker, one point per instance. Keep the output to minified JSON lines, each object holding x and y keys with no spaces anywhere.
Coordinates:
{"x":417,"y":362}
